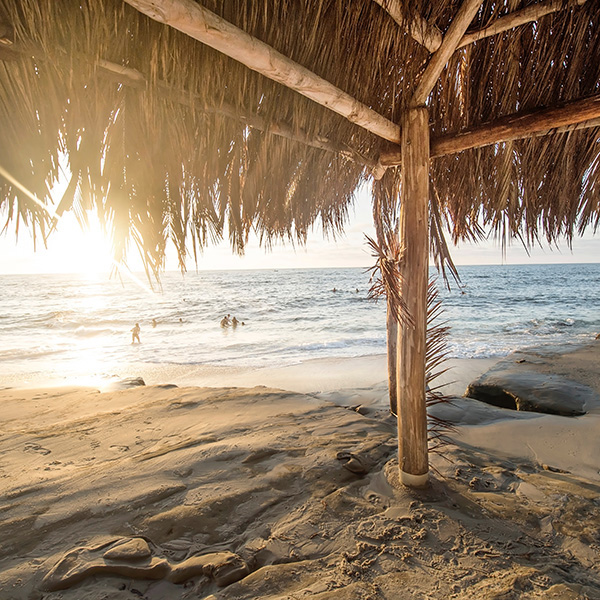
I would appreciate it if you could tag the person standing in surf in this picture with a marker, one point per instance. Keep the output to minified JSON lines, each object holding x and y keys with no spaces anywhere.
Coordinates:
{"x":135,"y":334}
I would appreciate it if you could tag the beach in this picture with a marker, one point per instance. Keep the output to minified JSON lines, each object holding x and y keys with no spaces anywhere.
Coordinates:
{"x":281,"y":483}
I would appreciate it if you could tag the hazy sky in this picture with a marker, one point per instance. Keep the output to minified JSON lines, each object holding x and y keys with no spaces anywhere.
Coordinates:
{"x":71,"y":250}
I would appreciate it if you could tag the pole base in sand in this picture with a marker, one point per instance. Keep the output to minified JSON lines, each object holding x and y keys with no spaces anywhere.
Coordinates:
{"x":416,"y":481}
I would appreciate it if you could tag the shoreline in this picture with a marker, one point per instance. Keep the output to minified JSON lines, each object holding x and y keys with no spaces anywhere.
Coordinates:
{"x":313,"y":375}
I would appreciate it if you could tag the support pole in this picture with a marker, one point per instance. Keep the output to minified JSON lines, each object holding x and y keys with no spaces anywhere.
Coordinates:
{"x":392,"y":356}
{"x":414,"y":268}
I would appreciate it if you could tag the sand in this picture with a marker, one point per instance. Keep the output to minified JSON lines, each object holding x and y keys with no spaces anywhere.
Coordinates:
{"x":289,"y":491}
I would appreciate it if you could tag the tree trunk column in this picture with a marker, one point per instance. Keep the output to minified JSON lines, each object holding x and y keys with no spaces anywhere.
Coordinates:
{"x":414,"y":268}
{"x":392,"y":356}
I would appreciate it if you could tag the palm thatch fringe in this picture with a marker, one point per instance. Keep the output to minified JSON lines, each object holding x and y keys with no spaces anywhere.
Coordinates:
{"x":160,"y":166}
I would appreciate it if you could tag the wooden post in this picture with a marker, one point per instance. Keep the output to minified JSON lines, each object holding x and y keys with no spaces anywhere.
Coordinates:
{"x":392,"y":357}
{"x":414,"y":268}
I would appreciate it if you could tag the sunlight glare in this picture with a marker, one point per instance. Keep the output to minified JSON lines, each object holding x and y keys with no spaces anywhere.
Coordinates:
{"x":84,"y":251}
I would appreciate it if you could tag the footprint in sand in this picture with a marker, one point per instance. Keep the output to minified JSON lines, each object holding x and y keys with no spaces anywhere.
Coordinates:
{"x":354,"y":463}
{"x":30,"y":447}
{"x":56,"y":464}
{"x":119,"y":448}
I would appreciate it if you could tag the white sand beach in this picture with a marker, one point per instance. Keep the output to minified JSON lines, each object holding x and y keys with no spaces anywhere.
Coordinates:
{"x":239,"y":490}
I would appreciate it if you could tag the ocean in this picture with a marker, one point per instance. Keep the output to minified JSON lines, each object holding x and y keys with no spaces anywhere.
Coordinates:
{"x":74,"y":329}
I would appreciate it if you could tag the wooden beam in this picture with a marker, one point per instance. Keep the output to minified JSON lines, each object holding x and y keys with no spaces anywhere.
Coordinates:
{"x":519,"y":126}
{"x":414,"y":269}
{"x":420,"y":29}
{"x":132,"y":77}
{"x":199,"y":23}
{"x":572,"y":116}
{"x":438,"y":61}
{"x":517,"y":18}
{"x":391,"y":323}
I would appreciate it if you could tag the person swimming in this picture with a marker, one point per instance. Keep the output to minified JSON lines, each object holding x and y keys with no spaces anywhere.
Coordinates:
{"x":225,"y":321}
{"x":234,"y":322}
{"x":135,"y":333}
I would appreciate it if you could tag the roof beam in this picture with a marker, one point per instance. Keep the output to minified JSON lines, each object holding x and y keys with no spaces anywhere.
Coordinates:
{"x":420,"y":29}
{"x":199,"y":23}
{"x":438,"y":61}
{"x":571,"y":116}
{"x":519,"y":126}
{"x":132,"y":77}
{"x":517,"y":18}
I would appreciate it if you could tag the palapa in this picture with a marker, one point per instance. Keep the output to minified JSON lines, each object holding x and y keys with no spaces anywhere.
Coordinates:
{"x":169,"y":138}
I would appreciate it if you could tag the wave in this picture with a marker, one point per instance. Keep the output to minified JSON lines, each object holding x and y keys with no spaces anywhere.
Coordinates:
{"x":86,"y":332}
{"x":290,"y":316}
{"x":23,"y":354}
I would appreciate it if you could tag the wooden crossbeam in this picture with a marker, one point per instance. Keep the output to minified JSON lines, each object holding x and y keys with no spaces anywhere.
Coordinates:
{"x":420,"y":29}
{"x":438,"y":61}
{"x":199,"y":23}
{"x":571,"y":116}
{"x":517,"y":18}
{"x":519,"y":126}
{"x":133,"y":77}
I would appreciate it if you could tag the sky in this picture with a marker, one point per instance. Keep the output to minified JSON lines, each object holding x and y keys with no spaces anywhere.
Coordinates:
{"x":72,"y":250}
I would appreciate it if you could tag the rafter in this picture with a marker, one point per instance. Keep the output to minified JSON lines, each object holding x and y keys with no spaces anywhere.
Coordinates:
{"x":517,"y":18}
{"x":572,"y":116}
{"x":438,"y":61}
{"x":429,"y":36}
{"x":132,"y":77}
{"x":420,"y":29}
{"x":199,"y":23}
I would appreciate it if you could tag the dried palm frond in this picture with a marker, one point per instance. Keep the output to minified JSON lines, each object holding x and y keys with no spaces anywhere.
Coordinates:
{"x":386,"y":280}
{"x":437,"y":243}
{"x":436,"y":353}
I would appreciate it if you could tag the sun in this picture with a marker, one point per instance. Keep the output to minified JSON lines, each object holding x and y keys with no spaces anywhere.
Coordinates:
{"x":81,"y":249}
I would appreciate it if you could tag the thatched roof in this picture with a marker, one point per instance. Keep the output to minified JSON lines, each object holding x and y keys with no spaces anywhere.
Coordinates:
{"x":170,"y":138}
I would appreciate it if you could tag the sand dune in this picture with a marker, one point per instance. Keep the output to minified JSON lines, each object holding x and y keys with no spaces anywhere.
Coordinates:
{"x":165,"y":492}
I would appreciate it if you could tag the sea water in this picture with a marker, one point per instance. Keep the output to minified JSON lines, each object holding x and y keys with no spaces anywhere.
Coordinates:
{"x":67,"y":328}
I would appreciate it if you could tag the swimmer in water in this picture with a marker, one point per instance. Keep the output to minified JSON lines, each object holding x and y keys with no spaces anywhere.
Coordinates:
{"x":225,"y":322}
{"x":135,"y":334}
